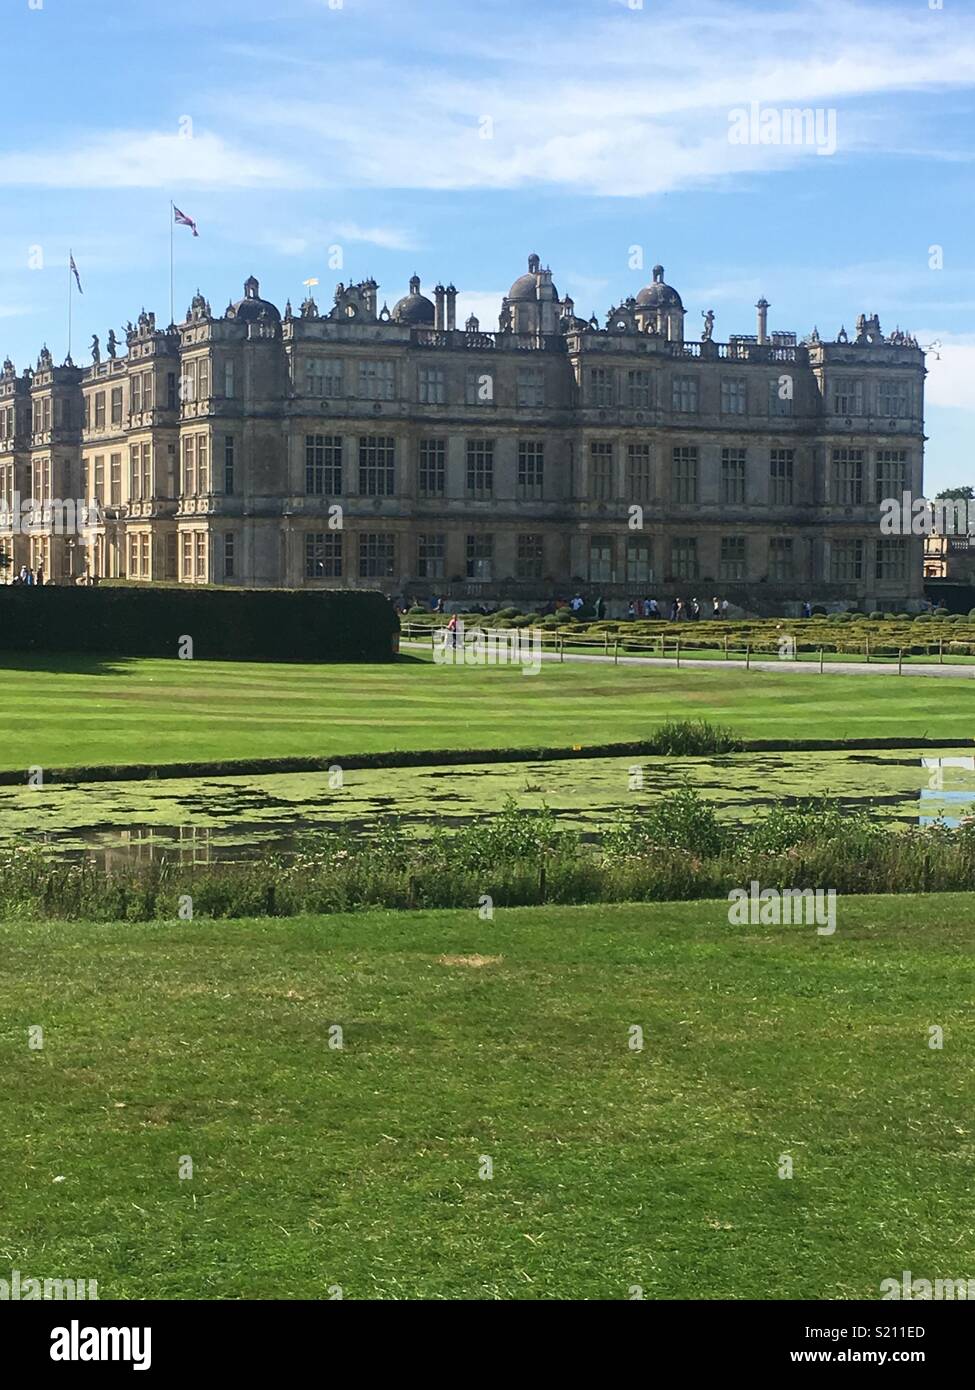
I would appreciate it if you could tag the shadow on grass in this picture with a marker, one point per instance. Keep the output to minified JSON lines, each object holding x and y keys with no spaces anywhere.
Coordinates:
{"x":68,"y":663}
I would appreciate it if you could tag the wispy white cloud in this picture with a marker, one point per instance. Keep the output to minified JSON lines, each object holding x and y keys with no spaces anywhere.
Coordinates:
{"x":951,"y":371}
{"x":525,"y":113}
{"x":150,"y":159}
{"x":389,"y":238}
{"x":591,"y":108}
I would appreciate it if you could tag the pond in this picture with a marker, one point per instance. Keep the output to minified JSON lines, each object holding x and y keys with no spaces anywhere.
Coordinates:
{"x":243,"y":817}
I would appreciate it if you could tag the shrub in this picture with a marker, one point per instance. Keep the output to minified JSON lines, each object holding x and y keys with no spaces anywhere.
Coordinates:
{"x":840,"y":618}
{"x":224,"y":624}
{"x":939,"y":613}
{"x":818,"y":611}
{"x":680,"y":820}
{"x":692,"y":737}
{"x":876,"y":616}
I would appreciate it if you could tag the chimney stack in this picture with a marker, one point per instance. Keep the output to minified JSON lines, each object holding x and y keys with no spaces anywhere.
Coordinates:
{"x":451,"y":308}
{"x":762,"y":306}
{"x":438,"y":317}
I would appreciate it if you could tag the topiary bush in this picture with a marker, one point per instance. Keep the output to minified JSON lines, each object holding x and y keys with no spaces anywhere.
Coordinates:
{"x":875,"y":616}
{"x":224,"y":624}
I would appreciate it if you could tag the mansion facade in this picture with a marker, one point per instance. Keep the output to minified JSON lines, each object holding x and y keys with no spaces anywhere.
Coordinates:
{"x":363,"y":446}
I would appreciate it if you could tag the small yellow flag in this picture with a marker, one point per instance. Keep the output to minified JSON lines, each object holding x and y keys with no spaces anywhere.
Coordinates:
{"x":312,"y":281}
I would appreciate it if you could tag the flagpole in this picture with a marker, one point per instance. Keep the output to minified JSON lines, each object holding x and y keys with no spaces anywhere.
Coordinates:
{"x":172,"y":280}
{"x":70,"y":254}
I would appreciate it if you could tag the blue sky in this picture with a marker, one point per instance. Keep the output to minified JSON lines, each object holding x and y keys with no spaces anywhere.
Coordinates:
{"x":453,"y":137}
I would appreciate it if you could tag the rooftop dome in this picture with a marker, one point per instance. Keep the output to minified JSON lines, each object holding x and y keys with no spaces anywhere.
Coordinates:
{"x":415,"y":307}
{"x":659,"y":295}
{"x":252,"y":306}
{"x":524,"y":287}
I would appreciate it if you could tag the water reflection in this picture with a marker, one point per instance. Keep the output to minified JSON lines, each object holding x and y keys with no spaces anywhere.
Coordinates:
{"x":935,"y":793}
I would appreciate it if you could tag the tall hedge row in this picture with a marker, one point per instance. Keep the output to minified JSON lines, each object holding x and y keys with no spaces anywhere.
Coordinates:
{"x":224,"y":624}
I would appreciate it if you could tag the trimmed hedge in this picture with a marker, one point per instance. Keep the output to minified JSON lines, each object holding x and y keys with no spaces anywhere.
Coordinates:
{"x":224,"y":624}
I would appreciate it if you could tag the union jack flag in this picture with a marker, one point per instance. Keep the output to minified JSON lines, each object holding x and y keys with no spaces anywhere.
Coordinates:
{"x":183,"y":221}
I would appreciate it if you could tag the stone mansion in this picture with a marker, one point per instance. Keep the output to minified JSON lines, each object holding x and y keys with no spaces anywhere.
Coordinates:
{"x":388,"y":448}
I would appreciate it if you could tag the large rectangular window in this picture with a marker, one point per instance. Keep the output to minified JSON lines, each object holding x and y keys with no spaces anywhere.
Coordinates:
{"x":531,"y":387}
{"x":432,"y":386}
{"x":323,"y":377}
{"x":432,"y":468}
{"x":377,"y":555}
{"x":848,"y":477}
{"x":684,"y":473}
{"x":430,"y":556}
{"x":639,"y":560}
{"x":891,"y":559}
{"x":601,"y":386}
{"x":323,"y":465}
{"x":478,"y":386}
{"x":323,"y":554}
{"x":781,"y":390}
{"x":893,"y":400}
{"x":639,"y":390}
{"x":733,"y":477}
{"x":229,"y":478}
{"x":229,"y":547}
{"x":781,"y":559}
{"x":601,"y":559}
{"x":639,"y":473}
{"x":734,"y":395}
{"x":891,"y":473}
{"x":846,"y":561}
{"x":116,"y":405}
{"x":683,"y":557}
{"x":731,"y":565}
{"x":377,"y":466}
{"x":781,"y":481}
{"x":480,"y":468}
{"x":377,"y":381}
{"x":601,"y":470}
{"x":116,"y":466}
{"x":684,"y":395}
{"x":531,"y":470}
{"x":202,"y":465}
{"x":848,"y":397}
{"x":529,"y":557}
{"x":480,"y":556}
{"x":99,"y":410}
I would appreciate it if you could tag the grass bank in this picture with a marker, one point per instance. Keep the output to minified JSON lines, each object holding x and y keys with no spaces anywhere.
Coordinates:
{"x":507,"y":1040}
{"x":59,"y":712}
{"x":676,"y":848}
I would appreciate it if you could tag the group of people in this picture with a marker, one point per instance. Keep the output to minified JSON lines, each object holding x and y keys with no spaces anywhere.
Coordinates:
{"x":681,"y":610}
{"x":29,"y":576}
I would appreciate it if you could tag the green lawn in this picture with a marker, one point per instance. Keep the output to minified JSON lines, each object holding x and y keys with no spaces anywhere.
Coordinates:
{"x":316,"y":1167}
{"x":69,"y":711}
